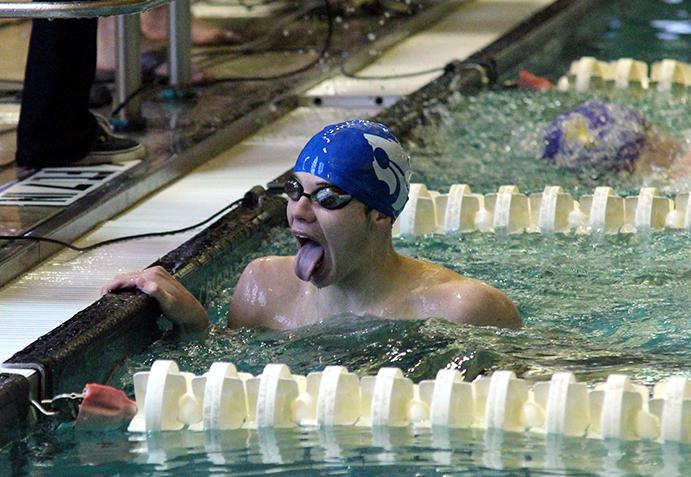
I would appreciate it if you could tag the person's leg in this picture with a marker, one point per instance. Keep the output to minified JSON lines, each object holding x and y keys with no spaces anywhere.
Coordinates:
{"x":55,"y":125}
{"x":155,"y":28}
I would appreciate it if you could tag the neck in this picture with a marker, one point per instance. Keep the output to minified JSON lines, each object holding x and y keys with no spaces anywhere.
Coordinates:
{"x":368,"y":284}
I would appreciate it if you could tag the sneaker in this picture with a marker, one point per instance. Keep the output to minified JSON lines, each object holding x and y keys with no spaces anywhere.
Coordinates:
{"x":107,"y":147}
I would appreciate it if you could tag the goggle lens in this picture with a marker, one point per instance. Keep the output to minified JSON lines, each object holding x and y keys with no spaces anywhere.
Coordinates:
{"x":329,"y":197}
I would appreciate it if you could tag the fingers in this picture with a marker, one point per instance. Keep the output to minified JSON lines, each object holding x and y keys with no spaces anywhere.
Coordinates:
{"x":126,"y":280}
{"x":176,"y":302}
{"x":148,"y":281}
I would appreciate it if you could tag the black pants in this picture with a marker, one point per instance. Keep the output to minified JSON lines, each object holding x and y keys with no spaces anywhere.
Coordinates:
{"x":55,"y":125}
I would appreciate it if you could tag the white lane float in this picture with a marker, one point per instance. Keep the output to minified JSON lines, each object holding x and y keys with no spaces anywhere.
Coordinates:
{"x":648,"y":211}
{"x":165,"y":399}
{"x":550,"y":210}
{"x":589,"y":73}
{"x":553,"y":210}
{"x":221,"y":399}
{"x":671,"y":404}
{"x":510,"y":210}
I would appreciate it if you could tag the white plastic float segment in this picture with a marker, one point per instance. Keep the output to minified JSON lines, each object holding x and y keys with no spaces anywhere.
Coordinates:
{"x":505,"y":398}
{"x":671,"y":404}
{"x":386,"y":399}
{"x":165,"y":401}
{"x":589,"y":72}
{"x":450,"y":400}
{"x":619,"y":410}
{"x":647,"y":212}
{"x":222,"y":391}
{"x":680,"y":218}
{"x":604,"y":209}
{"x":419,"y":215}
{"x":461,"y":207}
{"x":331,"y":398}
{"x":550,"y":210}
{"x":276,"y":392}
{"x":510,"y":210}
{"x":563,"y":83}
{"x":668,"y":73}
{"x":168,"y":399}
{"x":560,"y":406}
{"x":440,"y":203}
{"x":627,"y":70}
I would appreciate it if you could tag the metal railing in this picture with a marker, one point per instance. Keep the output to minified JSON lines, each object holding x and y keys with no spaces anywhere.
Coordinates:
{"x":128,"y":77}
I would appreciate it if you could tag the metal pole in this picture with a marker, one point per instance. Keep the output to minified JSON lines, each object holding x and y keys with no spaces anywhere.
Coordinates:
{"x":128,"y":74}
{"x":180,"y":43}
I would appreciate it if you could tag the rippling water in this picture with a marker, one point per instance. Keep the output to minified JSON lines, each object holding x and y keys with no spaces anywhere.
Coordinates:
{"x":495,"y":138}
{"x":591,"y":305}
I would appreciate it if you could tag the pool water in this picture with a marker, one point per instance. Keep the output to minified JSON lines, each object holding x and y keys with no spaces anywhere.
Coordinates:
{"x":343,"y":451}
{"x":496,"y":138}
{"x":592,"y":305}
{"x":647,"y":30}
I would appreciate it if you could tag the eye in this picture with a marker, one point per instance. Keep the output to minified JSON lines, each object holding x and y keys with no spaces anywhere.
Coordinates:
{"x":327,"y":197}
{"x":293,"y":189}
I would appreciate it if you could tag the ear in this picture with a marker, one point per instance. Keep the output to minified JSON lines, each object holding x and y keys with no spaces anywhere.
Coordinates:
{"x":379,"y":219}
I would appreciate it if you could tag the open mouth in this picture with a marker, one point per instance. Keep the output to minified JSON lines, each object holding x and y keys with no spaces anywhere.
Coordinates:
{"x":309,"y":258}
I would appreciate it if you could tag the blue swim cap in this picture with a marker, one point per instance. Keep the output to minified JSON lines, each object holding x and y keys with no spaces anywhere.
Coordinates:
{"x":364,"y":159}
{"x":595,"y":134}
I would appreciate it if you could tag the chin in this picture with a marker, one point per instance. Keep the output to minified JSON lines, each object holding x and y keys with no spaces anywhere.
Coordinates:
{"x":323,"y":278}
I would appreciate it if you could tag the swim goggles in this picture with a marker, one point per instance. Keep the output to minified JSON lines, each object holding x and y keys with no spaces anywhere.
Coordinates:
{"x":330,"y":197}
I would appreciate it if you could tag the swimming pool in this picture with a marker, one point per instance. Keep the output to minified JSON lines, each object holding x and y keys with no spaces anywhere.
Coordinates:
{"x":595,"y":306}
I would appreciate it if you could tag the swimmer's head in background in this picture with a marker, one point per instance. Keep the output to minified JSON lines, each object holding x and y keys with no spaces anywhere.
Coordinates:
{"x":364,"y":159}
{"x":595,"y":134}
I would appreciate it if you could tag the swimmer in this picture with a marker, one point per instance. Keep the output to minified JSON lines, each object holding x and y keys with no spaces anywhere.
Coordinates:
{"x":349,"y":184}
{"x":603,"y":135}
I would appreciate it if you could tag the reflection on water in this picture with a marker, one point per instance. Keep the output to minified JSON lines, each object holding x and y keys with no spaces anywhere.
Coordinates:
{"x":352,"y":451}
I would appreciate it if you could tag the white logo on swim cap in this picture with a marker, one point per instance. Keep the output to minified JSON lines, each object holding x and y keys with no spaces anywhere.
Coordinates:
{"x":394,"y":177}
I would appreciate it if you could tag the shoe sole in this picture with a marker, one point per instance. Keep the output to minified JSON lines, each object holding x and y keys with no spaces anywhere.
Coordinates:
{"x":94,"y":158}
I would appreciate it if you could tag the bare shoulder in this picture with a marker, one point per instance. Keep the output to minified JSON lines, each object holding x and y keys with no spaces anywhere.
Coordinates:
{"x":256,"y":292}
{"x":469,"y":301}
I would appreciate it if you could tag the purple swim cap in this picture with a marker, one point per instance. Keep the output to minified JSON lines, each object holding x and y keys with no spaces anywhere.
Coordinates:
{"x":595,"y":134}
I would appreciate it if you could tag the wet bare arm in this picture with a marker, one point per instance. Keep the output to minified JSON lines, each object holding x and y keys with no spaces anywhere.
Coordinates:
{"x":176,"y":302}
{"x":481,"y":305}
{"x":248,"y":307}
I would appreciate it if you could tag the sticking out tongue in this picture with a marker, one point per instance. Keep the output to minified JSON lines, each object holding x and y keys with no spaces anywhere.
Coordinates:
{"x":307,"y":259}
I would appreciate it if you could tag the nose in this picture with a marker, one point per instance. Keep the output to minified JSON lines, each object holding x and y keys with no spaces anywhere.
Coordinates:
{"x":301,"y":210}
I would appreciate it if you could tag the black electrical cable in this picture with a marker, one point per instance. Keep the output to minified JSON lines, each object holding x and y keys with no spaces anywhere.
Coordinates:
{"x":348,"y":74}
{"x":322,"y":53}
{"x":124,"y":238}
{"x":485,"y":66}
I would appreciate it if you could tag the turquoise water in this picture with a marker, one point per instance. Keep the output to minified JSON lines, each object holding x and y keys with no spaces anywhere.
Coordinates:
{"x":495,"y":138}
{"x":648,"y":30}
{"x":345,"y":451}
{"x":594,"y":306}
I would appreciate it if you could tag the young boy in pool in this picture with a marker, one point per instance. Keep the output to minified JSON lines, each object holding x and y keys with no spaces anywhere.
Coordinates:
{"x":350,"y":183}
